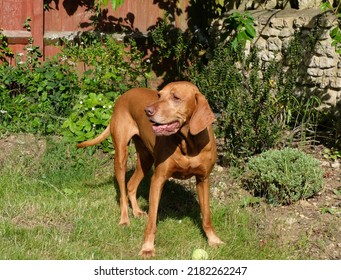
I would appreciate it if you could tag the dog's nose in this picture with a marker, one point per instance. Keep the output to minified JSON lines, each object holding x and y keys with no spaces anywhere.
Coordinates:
{"x":150,"y":111}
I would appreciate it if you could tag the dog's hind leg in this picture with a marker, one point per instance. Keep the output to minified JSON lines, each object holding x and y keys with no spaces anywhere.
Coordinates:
{"x":143,"y":164}
{"x":122,"y":133}
{"x":120,"y":167}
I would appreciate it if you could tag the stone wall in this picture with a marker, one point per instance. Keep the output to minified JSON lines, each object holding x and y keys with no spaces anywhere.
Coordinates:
{"x":321,"y":70}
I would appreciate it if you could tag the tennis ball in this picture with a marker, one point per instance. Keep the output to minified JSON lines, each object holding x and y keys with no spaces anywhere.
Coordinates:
{"x":199,"y":254}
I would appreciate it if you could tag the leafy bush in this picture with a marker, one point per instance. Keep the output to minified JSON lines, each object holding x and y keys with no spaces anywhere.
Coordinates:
{"x":58,"y":97}
{"x":89,"y":117}
{"x":171,"y":48}
{"x":245,"y":103}
{"x":110,"y":70}
{"x":255,"y":102}
{"x":36,"y":96}
{"x":283,"y":176}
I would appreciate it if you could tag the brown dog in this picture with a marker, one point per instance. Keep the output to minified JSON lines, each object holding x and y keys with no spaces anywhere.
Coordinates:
{"x":171,"y":129}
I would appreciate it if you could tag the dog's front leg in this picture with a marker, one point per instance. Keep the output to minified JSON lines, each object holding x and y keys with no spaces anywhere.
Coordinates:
{"x":156,"y":186}
{"x":203,"y":189}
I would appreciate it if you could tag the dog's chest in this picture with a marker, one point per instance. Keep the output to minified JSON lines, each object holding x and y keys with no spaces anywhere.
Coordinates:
{"x":186,"y":167}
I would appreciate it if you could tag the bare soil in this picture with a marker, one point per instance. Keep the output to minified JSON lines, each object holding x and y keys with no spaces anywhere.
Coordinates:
{"x":313,"y":226}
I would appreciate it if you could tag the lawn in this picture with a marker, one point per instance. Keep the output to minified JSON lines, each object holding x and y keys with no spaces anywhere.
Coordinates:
{"x":62,"y":203}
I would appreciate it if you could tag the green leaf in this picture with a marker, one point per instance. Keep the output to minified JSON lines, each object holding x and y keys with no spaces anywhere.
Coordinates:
{"x":328,"y":210}
{"x":334,"y":32}
{"x":67,"y":123}
{"x":242,"y":36}
{"x":326,"y":6}
{"x":44,"y":96}
{"x":80,"y":138}
{"x":251,"y":31}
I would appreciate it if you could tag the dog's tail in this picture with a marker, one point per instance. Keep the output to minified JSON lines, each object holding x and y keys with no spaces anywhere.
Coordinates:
{"x":97,"y":140}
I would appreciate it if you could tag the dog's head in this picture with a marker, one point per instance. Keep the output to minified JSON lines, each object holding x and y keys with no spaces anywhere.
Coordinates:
{"x":179,"y":104}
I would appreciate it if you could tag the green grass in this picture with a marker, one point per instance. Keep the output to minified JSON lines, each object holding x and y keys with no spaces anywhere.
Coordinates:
{"x":64,"y":205}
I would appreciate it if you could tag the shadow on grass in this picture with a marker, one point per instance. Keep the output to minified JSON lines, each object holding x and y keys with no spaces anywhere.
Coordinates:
{"x":177,"y":202}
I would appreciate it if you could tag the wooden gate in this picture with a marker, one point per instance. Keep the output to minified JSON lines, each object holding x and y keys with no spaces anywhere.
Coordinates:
{"x":60,"y":18}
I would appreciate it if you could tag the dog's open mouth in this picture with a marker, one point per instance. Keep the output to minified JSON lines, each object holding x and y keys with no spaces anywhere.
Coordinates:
{"x":165,"y":129}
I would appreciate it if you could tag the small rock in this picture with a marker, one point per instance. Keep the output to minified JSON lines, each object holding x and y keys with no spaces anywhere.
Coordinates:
{"x":219,"y":168}
{"x":305,"y":204}
{"x":335,"y":165}
{"x":314,"y":62}
{"x":285,"y":33}
{"x":325,"y":163}
{"x":290,"y":221}
{"x":274,"y":44}
{"x":326,"y":62}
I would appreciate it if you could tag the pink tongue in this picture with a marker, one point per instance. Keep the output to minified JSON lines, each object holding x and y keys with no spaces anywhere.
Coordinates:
{"x":165,"y":129}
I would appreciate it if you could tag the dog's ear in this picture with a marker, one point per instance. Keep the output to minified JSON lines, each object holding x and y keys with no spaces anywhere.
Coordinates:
{"x":202,"y":116}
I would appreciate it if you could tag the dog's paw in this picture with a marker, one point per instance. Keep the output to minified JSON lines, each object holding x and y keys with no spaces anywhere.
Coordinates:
{"x":139,"y":214}
{"x":124,"y":222}
{"x":147,"y":253}
{"x":215,"y":241}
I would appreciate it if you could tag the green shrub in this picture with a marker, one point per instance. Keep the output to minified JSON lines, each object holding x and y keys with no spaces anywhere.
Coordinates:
{"x":171,"y":45}
{"x":89,"y":118}
{"x":58,"y":97}
{"x":36,"y":96}
{"x":241,"y":93}
{"x":110,"y":71}
{"x":283,"y":176}
{"x":255,"y":102}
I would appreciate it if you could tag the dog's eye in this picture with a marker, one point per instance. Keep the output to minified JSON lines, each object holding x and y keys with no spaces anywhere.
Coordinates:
{"x":176,"y":98}
{"x":158,"y":95}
